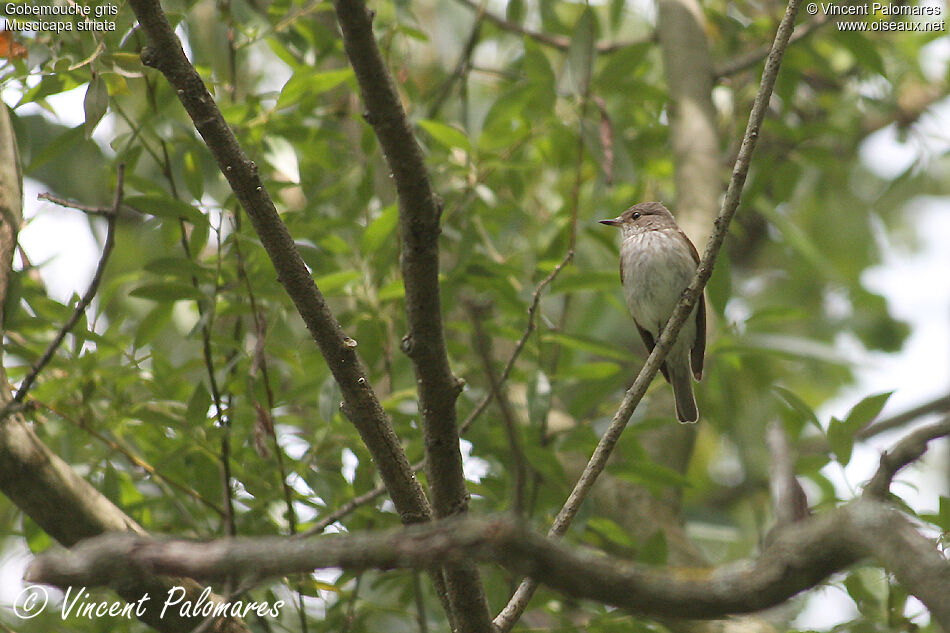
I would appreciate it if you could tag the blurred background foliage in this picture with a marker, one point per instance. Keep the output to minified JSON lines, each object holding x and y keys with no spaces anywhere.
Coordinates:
{"x":529,"y":141}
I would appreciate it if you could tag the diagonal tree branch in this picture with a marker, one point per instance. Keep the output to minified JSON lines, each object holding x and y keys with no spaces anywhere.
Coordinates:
{"x":800,"y":557}
{"x":519,"y":601}
{"x":419,"y":216}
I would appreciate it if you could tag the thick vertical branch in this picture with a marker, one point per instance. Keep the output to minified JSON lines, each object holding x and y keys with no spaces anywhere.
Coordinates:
{"x":419,"y":215}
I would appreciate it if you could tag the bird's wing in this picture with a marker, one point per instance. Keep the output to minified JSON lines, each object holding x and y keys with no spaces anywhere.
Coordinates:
{"x":650,"y":343}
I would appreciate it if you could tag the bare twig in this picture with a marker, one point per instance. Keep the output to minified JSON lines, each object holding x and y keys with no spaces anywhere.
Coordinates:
{"x":88,"y":209}
{"x":519,"y":601}
{"x":908,"y":450}
{"x":87,"y":297}
{"x":799,"y":558}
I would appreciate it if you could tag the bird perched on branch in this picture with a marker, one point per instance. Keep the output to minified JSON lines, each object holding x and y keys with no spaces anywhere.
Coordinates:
{"x":657,"y":263}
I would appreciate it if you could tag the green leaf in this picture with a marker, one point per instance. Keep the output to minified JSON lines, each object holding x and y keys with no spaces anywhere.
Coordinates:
{"x":800,"y":241}
{"x":328,"y":400}
{"x":61,"y":144}
{"x":153,"y":323}
{"x":95,"y":104}
{"x":380,"y":229}
{"x":590,"y":345}
{"x":866,"y":410}
{"x":539,"y":397}
{"x":36,"y":539}
{"x":841,"y":441}
{"x":176,"y":267}
{"x":309,"y":84}
{"x":336,"y":283}
{"x":194,"y":178}
{"x":165,"y":207}
{"x":865,"y":52}
{"x":646,"y":472}
{"x":335,"y":244}
{"x":514,"y":11}
{"x":167,"y":291}
{"x":789,"y":346}
{"x":719,"y":288}
{"x":654,"y":550}
{"x":798,"y":405}
{"x":577,"y":281}
{"x":198,"y":238}
{"x":198,"y":405}
{"x":864,"y":597}
{"x":395,"y":289}
{"x":589,"y":371}
{"x":616,"y":12}
{"x":611,"y":530}
{"x":580,"y":54}
{"x":446,"y":135}
{"x":944,"y":513}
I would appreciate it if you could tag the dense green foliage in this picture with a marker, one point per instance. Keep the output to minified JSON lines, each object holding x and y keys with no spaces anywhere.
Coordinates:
{"x":528,"y":145}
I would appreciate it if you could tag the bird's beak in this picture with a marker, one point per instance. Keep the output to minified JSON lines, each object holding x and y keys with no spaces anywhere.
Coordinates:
{"x":612,"y":222}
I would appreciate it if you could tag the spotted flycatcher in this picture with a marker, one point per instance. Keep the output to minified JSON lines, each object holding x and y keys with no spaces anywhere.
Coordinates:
{"x":657,"y":262}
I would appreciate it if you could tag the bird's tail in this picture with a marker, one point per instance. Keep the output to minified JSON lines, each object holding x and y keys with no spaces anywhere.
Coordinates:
{"x":682,"y":382}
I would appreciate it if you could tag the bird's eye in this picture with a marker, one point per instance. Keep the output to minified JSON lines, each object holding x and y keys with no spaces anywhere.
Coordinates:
{"x":636,"y":215}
